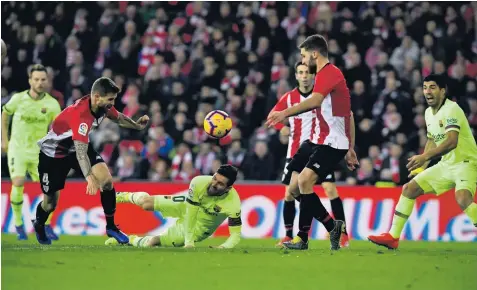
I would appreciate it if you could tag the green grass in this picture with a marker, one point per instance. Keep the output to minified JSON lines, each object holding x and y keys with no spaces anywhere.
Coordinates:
{"x":85,"y":263}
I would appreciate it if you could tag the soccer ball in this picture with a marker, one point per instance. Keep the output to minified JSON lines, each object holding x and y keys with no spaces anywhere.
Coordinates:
{"x":217,"y":124}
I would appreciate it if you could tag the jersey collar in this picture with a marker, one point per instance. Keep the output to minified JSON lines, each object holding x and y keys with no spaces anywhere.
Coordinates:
{"x":305,"y":95}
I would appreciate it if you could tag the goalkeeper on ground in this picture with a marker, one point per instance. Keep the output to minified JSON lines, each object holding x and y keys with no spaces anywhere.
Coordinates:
{"x":211,"y":199}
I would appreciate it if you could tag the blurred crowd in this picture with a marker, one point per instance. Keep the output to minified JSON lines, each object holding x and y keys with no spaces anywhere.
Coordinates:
{"x":176,"y":61}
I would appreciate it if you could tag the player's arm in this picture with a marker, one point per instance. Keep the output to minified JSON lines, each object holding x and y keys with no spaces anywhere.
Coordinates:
{"x":320,"y":90}
{"x":430,"y":145}
{"x":192,"y":209}
{"x":280,"y":106}
{"x":352,"y":131}
{"x":82,"y":156}
{"x":235,"y":229}
{"x":8,"y":110}
{"x":126,"y":122}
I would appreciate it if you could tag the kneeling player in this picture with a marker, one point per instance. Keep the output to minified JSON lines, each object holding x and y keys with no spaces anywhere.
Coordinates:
{"x":210,"y":201}
{"x":449,"y":136}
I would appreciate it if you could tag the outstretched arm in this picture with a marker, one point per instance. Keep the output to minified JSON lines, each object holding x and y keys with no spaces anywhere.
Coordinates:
{"x":235,"y":229}
{"x":126,"y":122}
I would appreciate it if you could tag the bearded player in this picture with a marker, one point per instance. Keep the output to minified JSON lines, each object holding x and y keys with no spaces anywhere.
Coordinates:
{"x":211,"y":199}
{"x":331,"y":140}
{"x":450,"y":137}
{"x":33,"y":111}
{"x":301,"y":129}
{"x":67,"y":146}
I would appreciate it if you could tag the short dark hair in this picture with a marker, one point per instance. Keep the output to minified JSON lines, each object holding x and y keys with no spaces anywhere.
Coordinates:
{"x":315,"y":42}
{"x":228,"y":171}
{"x":298,"y":63}
{"x":104,"y":86}
{"x":438,"y":79}
{"x":36,"y":67}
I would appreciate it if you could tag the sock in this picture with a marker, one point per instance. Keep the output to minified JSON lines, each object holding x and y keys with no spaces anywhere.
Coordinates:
{"x":289,"y":212}
{"x":337,"y":209}
{"x":108,"y":201}
{"x":401,"y":214}
{"x":309,"y":208}
{"x":471,"y":212}
{"x":135,"y":197}
{"x":48,"y":221}
{"x":319,"y":212}
{"x":41,"y":214}
{"x":16,"y":200}
{"x":141,"y":242}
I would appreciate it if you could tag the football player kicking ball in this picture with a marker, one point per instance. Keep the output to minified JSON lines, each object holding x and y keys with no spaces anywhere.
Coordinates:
{"x":450,"y":137}
{"x":67,"y":146}
{"x":301,"y":129}
{"x":210,"y":201}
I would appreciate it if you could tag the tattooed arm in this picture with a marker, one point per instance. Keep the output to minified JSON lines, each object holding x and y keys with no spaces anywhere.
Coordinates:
{"x":126,"y":122}
{"x":82,"y":156}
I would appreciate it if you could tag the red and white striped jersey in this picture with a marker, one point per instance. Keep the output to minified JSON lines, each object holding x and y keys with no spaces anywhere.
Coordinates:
{"x":302,"y":126}
{"x":73,"y":123}
{"x":334,"y":115}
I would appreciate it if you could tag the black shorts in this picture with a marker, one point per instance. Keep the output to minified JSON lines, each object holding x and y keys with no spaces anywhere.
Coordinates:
{"x":286,"y":177}
{"x":53,"y":171}
{"x":322,"y":159}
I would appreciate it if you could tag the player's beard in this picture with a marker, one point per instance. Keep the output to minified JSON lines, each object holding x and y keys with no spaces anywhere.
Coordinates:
{"x":312,"y":65}
{"x":38,"y":90}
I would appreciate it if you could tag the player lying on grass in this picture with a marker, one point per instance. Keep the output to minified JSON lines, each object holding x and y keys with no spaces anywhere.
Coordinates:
{"x":211,"y":199}
{"x":449,"y":135}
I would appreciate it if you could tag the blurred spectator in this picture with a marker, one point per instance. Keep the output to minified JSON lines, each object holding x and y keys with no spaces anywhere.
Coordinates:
{"x":178,"y":62}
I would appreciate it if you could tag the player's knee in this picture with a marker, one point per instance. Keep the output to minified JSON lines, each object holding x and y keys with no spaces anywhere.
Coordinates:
{"x":330,"y":190}
{"x":289,"y":195}
{"x":147,"y":203}
{"x":306,"y":182}
{"x":18,"y":181}
{"x":412,"y":190}
{"x":49,"y":206}
{"x":463,"y":198}
{"x":107,"y":183}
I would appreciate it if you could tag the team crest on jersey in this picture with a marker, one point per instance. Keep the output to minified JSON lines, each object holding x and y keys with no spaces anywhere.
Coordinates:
{"x":43,"y":110}
{"x":83,"y":129}
{"x":441,"y":124}
{"x":217,"y":208}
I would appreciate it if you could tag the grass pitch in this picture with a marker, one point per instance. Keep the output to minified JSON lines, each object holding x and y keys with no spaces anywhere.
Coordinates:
{"x":85,"y":263}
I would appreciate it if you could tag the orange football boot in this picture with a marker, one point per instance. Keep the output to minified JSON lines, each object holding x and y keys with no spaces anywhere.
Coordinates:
{"x":385,"y":240}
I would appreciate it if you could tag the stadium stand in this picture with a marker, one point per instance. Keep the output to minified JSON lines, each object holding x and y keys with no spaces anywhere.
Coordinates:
{"x":179,"y":60}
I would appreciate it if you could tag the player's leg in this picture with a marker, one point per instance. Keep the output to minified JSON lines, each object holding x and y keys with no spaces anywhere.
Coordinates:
{"x":432,"y":180}
{"x":329,"y":186}
{"x":320,"y":164}
{"x":32,"y":169}
{"x":52,"y":175}
{"x":17,"y":168}
{"x":289,"y":210}
{"x":108,"y":200}
{"x":167,"y":205}
{"x":43,"y":210}
{"x":465,"y":185}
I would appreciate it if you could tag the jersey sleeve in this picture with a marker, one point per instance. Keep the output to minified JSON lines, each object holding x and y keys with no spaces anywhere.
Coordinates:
{"x":112,"y":114}
{"x":11,"y":106}
{"x":280,"y":106}
{"x":454,"y":119}
{"x":326,"y":82}
{"x":80,"y":127}
{"x":426,"y":119}
{"x":55,"y":110}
